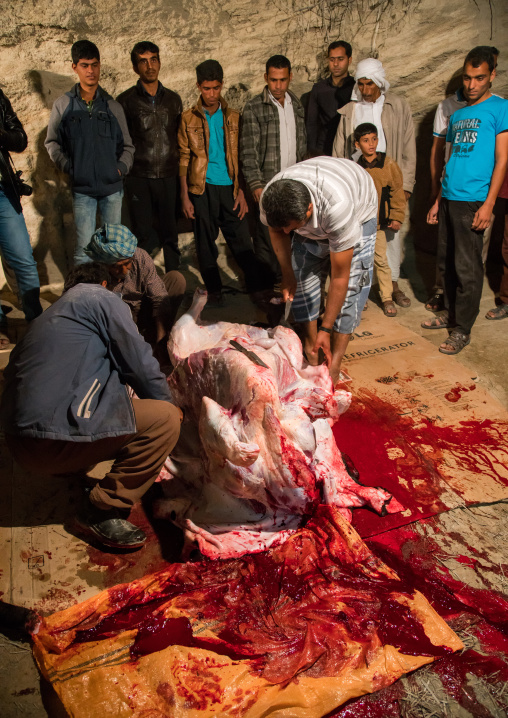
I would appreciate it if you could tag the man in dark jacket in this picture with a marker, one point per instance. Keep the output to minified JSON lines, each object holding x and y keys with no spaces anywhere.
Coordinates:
{"x":14,"y":240}
{"x":88,"y":138}
{"x":153,"y":112}
{"x":66,"y":404}
{"x":327,"y":97}
{"x":272,"y":138}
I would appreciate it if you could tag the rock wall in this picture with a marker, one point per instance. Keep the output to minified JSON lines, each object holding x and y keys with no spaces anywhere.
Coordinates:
{"x":422,"y":44}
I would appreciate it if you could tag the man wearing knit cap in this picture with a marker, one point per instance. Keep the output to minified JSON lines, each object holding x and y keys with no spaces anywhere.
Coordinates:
{"x":372,"y":102}
{"x":66,"y":405}
{"x":153,"y":301}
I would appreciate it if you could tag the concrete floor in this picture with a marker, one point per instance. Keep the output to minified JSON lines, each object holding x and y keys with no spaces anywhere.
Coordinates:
{"x":20,"y":687}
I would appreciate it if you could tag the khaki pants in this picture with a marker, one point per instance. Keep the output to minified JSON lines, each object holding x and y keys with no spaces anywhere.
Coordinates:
{"x":138,"y":457}
{"x":383,"y":271}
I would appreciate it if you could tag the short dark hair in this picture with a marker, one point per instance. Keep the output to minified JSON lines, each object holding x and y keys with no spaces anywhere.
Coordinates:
{"x":89,"y":273}
{"x":208,"y":71}
{"x":140,"y":48}
{"x":480,"y":54}
{"x":340,"y":43}
{"x":366,"y":128}
{"x":494,"y":50}
{"x":84,"y":50}
{"x":285,"y":201}
{"x":278,"y":61}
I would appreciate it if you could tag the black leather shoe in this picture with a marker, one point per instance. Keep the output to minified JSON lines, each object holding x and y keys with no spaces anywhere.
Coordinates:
{"x":110,"y":528}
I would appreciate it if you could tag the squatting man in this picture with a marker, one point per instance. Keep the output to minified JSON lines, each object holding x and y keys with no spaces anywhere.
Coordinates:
{"x":322,"y":218}
{"x":72,"y":409}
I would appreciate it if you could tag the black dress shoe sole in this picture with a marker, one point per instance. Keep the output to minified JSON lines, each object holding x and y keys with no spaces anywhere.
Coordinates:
{"x":87,"y":529}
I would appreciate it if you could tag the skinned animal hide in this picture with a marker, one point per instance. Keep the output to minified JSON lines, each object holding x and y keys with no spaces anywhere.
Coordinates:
{"x":256,"y":455}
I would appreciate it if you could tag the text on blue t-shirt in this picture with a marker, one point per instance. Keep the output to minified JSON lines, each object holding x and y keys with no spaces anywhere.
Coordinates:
{"x":472,"y":134}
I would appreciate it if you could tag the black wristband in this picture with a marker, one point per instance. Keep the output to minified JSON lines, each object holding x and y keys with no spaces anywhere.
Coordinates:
{"x":325,"y":329}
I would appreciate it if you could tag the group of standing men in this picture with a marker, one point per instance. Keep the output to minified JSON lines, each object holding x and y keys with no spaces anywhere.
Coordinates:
{"x":143,"y":140}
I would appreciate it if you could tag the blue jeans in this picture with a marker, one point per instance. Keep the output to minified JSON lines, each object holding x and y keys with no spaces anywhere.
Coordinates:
{"x":15,"y":248}
{"x":85,"y":218}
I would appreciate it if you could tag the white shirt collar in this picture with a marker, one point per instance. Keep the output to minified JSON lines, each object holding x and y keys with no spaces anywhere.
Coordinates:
{"x":287,"y":99}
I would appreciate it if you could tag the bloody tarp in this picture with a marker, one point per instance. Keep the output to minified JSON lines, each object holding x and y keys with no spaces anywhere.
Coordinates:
{"x":297,"y":630}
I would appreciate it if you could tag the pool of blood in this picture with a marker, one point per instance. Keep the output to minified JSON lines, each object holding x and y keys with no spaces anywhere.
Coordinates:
{"x":412,"y":557}
{"x":372,"y":426}
{"x":278,"y":609}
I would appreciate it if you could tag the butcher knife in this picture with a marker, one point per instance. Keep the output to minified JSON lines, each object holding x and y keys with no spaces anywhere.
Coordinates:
{"x":248,"y":353}
{"x":289,"y":304}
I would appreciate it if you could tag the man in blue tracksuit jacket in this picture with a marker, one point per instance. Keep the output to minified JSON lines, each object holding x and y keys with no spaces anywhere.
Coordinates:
{"x":88,"y":138}
{"x":66,"y":406}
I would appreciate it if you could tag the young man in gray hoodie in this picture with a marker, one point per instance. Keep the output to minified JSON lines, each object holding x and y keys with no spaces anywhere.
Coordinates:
{"x":88,"y":138}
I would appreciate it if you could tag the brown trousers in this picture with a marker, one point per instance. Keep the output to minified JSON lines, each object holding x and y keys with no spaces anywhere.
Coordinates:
{"x":138,"y":458}
{"x":383,"y":271}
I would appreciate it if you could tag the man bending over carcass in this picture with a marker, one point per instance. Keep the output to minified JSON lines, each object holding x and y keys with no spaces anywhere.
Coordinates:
{"x":66,"y":406}
{"x":321,"y":214}
{"x":153,"y":301}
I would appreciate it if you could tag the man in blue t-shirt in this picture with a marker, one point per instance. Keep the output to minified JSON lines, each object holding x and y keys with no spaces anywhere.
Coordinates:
{"x":209,"y":182}
{"x":478,"y":135}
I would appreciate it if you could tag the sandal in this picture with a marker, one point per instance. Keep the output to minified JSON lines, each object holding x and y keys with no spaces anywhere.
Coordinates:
{"x":389,"y":309}
{"x":400,"y":298}
{"x":435,"y":303}
{"x":500,"y":312}
{"x":440,"y":321}
{"x":457,"y":341}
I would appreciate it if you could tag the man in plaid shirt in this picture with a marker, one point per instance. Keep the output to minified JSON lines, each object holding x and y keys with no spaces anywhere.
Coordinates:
{"x":272,"y":138}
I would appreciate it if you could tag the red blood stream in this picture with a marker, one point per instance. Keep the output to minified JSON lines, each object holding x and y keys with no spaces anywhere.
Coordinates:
{"x":416,"y":477}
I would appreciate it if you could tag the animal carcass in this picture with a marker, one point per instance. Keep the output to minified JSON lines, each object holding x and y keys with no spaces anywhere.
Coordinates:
{"x":256,"y":454}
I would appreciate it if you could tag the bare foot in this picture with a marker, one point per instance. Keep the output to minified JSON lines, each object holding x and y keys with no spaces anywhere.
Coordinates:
{"x":4,"y":340}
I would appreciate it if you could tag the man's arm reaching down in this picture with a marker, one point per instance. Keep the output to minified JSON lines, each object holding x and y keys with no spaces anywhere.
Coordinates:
{"x":339,"y":279}
{"x":130,"y":354}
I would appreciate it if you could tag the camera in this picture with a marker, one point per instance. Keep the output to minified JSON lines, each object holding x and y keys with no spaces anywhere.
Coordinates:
{"x":24,"y":189}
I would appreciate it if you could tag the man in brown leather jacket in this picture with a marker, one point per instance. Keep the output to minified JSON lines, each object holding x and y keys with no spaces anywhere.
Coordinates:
{"x":153,"y":113}
{"x":209,"y":181}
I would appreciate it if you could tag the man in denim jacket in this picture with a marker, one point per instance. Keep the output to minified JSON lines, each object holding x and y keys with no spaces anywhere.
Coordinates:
{"x":66,"y":404}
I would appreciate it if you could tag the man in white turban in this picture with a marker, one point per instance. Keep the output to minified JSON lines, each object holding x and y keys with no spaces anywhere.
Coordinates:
{"x":372,"y":102}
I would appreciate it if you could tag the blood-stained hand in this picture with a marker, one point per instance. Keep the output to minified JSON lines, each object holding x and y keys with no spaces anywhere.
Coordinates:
{"x":288,"y":286}
{"x":323,"y":342}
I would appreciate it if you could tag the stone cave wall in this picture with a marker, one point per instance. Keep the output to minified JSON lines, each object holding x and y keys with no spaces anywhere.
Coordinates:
{"x":422,"y":44}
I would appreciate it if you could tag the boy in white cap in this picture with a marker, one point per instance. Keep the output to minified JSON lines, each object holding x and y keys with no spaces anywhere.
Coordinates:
{"x":372,"y":102}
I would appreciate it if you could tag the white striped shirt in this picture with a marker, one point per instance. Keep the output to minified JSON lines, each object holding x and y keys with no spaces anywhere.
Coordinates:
{"x":343,"y":198}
